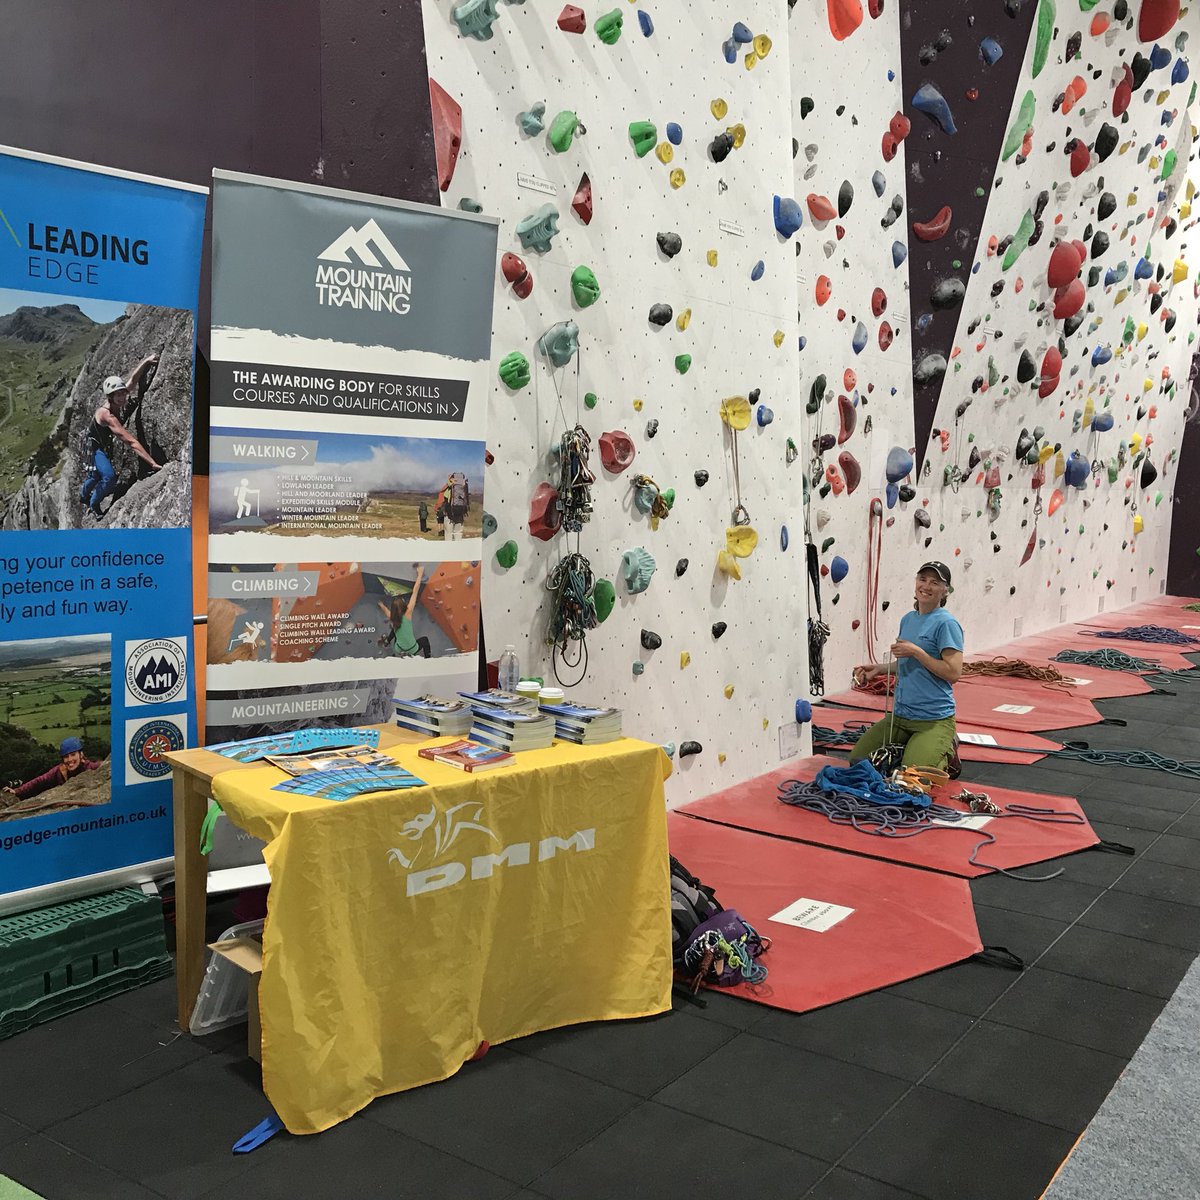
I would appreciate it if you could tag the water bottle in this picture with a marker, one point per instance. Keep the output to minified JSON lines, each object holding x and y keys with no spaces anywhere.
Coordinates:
{"x":509,"y":670}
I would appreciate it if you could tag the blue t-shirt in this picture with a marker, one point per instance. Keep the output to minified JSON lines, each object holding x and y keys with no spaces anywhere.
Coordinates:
{"x":920,"y":694}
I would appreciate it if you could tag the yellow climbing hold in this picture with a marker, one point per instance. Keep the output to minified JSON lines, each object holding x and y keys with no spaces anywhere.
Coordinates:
{"x":1190,"y":190}
{"x":684,"y":659}
{"x":766,"y":723}
{"x":735,"y":412}
{"x":1089,"y":411}
{"x":1045,"y":453}
{"x":728,"y":565}
{"x":678,"y":178}
{"x":1138,"y":523}
{"x":1162,"y":97}
{"x":683,"y":320}
{"x":720,"y":757}
{"x":1132,"y":199}
{"x":762,"y":46}
{"x":1179,"y":272}
{"x":740,"y":541}
{"x":738,"y":133}
{"x":712,"y":258}
{"x":664,"y":152}
{"x":778,"y":338}
{"x":1060,"y":464}
{"x":1142,"y":330}
{"x":1121,"y":295}
{"x":729,"y":691}
{"x":750,"y":60}
{"x":719,"y":108}
{"x":1135,"y":443}
{"x":1185,"y":211}
{"x":637,"y":406}
{"x":1147,"y":384}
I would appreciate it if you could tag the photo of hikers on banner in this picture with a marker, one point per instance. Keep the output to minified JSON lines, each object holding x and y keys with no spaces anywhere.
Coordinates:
{"x":298,"y":612}
{"x":294,"y":482}
{"x":95,"y":413}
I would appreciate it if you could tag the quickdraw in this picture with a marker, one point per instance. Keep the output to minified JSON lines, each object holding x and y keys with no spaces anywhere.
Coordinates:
{"x":575,"y":479}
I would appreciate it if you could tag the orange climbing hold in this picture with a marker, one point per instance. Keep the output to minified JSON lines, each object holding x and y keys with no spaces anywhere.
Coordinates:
{"x":1056,"y":499}
{"x":823,"y":289}
{"x":849,"y":379}
{"x":1100,"y":24}
{"x":935,"y":228}
{"x":1074,"y":92}
{"x":845,"y":16}
{"x":820,"y":207}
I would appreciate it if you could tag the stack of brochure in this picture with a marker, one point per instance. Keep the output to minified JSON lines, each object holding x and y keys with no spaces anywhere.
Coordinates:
{"x":495,"y":698}
{"x":511,"y":728}
{"x":583,"y":724}
{"x":434,"y":716}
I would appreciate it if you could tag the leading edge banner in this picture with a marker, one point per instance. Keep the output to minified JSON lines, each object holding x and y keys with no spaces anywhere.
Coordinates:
{"x":351,"y":337}
{"x":99,"y":278}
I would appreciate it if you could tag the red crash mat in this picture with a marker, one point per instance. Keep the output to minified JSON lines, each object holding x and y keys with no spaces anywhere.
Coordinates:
{"x":755,"y":805}
{"x":839,"y":925}
{"x":1035,"y":747}
{"x":1090,"y":682}
{"x":1171,"y":618}
{"x":1018,"y":704}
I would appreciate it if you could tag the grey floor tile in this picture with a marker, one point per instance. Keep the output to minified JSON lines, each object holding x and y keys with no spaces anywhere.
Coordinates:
{"x":53,"y":1171}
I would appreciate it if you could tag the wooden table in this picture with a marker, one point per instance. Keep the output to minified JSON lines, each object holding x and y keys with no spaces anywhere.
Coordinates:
{"x":192,"y":773}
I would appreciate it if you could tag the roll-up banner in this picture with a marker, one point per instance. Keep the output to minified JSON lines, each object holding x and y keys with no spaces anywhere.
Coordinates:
{"x":351,"y":337}
{"x":99,"y":277}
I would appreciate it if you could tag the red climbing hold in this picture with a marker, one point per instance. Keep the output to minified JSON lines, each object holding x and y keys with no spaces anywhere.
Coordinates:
{"x":889,"y":146}
{"x":851,"y":470}
{"x":1156,"y":18}
{"x":514,"y":267}
{"x":545,"y":516}
{"x":1082,"y":248}
{"x":878,"y":302}
{"x":845,"y":16}
{"x":447,"y":131}
{"x":900,"y":126}
{"x":820,"y":207}
{"x":938,"y":227}
{"x":582,"y":201}
{"x":1069,"y":300}
{"x":875,"y":8}
{"x":823,"y":289}
{"x":571,"y":19}
{"x":885,"y":335}
{"x":849,"y":380}
{"x":847,"y":419}
{"x":1065,"y":262}
{"x":1051,"y":370}
{"x":1123,"y":93}
{"x":616,"y":450}
{"x":1080,"y":159}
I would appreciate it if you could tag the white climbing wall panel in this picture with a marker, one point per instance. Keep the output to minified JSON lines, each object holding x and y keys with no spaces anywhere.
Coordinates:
{"x":673,"y":75}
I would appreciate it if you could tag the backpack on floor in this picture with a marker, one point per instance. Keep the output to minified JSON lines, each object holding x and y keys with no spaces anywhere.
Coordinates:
{"x":691,"y":905}
{"x":722,"y":952}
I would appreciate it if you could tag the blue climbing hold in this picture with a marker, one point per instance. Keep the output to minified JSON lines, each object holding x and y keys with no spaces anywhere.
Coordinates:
{"x":764,"y":415}
{"x":532,"y":122}
{"x":899,"y":253}
{"x":892,"y":494}
{"x":645,"y":22}
{"x":1100,"y":356}
{"x":756,"y":272}
{"x":991,"y":50}
{"x":729,"y":49}
{"x":1143,"y":270}
{"x":1077,"y":470}
{"x":932,"y":103}
{"x":803,"y":712}
{"x":899,"y":464}
{"x":860,"y":338}
{"x":803,"y":341}
{"x":783,"y":537}
{"x":838,"y":569}
{"x":674,"y":133}
{"x":742,"y":34}
{"x":1159,"y":57}
{"x":891,"y":76}
{"x":788,"y":216}
{"x":878,"y":182}
{"x":1102,"y":422}
{"x":1180,"y":72}
{"x":923,"y":322}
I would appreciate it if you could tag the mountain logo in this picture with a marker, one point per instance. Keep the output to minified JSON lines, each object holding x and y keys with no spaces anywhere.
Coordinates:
{"x":155,"y":670}
{"x":149,"y":746}
{"x":361,"y":241}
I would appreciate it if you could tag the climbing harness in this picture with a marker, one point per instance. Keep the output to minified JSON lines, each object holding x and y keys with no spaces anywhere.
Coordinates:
{"x":1147,"y":633}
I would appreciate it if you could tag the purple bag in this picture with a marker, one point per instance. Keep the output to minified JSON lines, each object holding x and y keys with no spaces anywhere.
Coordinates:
{"x":722,"y":951}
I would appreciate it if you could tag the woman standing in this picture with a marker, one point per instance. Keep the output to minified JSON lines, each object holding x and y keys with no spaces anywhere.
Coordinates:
{"x":927,"y":663}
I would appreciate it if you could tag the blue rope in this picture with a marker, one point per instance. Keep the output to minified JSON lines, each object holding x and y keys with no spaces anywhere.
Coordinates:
{"x":1146,"y":633}
{"x":1118,"y":660}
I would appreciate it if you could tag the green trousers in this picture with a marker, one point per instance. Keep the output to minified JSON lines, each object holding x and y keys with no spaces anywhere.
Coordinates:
{"x":926,"y":743}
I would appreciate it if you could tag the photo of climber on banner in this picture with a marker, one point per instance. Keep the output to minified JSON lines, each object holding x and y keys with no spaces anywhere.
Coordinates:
{"x":453,"y":504}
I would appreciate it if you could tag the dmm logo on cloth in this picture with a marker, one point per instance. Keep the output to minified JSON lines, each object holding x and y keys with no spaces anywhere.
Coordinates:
{"x":371,"y":284}
{"x":433,"y":837}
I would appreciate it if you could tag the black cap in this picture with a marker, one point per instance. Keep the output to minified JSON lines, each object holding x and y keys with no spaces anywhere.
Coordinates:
{"x":939,"y":569}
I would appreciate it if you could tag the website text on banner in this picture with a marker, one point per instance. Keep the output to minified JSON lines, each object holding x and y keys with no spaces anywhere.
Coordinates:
{"x":350,"y":346}
{"x":99,"y":277}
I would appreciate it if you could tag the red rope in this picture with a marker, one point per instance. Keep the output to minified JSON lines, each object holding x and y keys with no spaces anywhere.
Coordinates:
{"x":874,"y":557}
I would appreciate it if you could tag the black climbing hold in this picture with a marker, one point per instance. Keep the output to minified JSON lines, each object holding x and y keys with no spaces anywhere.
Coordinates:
{"x":1156,"y":302}
{"x":680,"y":567}
{"x":670,"y":244}
{"x":1106,"y":141}
{"x":753,"y":396}
{"x":651,"y":428}
{"x":1140,"y":66}
{"x":845,"y":197}
{"x":689,"y":748}
{"x":650,"y":640}
{"x":907,"y":492}
{"x":1169,"y":321}
{"x":1073,"y":44}
{"x":885,"y":605}
{"x":1026,"y":368}
{"x":1073,"y":323}
{"x":1149,"y":473}
{"x":997,"y":288}
{"x":947,"y":293}
{"x":701,"y":478}
{"x":1093,"y":276}
{"x":720,"y":146}
{"x":974,"y":458}
{"x":1040,"y":205}
{"x":1024,"y":443}
{"x":816,"y":394}
{"x":1121,"y":10}
{"x":1106,"y":205}
{"x":660,"y":314}
{"x":719,"y":628}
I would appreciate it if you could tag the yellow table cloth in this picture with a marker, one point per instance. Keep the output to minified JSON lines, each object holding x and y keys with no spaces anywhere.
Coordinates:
{"x":404,"y":928}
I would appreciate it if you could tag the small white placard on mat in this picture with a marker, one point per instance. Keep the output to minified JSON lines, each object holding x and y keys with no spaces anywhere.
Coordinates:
{"x":1013,"y":708}
{"x":734,"y":227}
{"x":535,"y":183}
{"x":966,"y":821}
{"x":817,"y":915}
{"x":977,"y":739}
{"x":1076,"y":682}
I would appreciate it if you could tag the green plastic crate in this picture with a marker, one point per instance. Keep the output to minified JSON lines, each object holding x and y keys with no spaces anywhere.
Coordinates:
{"x":58,"y":959}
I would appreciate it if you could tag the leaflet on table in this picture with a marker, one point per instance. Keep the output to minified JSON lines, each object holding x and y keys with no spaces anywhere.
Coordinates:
{"x":350,"y":348}
{"x":99,"y":279}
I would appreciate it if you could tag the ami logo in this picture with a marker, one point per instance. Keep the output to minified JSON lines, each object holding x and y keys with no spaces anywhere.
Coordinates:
{"x":155,"y":670}
{"x":431,"y":836}
{"x":362,"y":269}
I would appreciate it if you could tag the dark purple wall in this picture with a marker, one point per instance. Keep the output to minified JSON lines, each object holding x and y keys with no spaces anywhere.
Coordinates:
{"x":327,"y":91}
{"x":1183,"y":565}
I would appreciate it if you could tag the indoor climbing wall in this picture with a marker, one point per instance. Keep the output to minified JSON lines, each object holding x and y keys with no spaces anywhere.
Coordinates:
{"x":1052,"y":262}
{"x":646,"y":291}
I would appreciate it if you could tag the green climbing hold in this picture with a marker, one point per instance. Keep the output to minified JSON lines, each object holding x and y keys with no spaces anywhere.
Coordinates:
{"x":604,"y":596}
{"x":514,"y":370}
{"x":826,"y":544}
{"x":470,"y":204}
{"x":590,"y":400}
{"x":1045,"y":31}
{"x":562,"y":130}
{"x":643,"y":135}
{"x":537,"y":229}
{"x":531,"y":121}
{"x":1087,"y":5}
{"x":608,"y":27}
{"x":506,"y":556}
{"x":993,"y":372}
{"x":1020,"y":241}
{"x":474,"y":18}
{"x":1169,"y":160}
{"x":584,"y":287}
{"x":1128,"y":332}
{"x":682,"y":363}
{"x":1021,"y":125}
{"x":815,"y":395}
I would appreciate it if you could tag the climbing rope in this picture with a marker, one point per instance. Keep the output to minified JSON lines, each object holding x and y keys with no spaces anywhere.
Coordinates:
{"x":1118,"y":660}
{"x":874,"y":560}
{"x":572,"y":613}
{"x":1147,"y":633}
{"x":1018,"y":668}
{"x":818,"y":631}
{"x":904,"y":821}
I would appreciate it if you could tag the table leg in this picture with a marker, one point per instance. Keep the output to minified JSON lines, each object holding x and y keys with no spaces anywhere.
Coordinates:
{"x":191,"y":891}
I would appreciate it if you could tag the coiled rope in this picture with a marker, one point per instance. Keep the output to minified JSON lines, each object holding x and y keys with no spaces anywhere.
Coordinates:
{"x":1018,"y":668}
{"x":1118,"y":660}
{"x":1147,"y":633}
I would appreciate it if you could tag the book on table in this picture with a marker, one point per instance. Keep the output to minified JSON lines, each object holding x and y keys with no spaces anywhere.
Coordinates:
{"x":584,"y":724}
{"x":435,"y":715}
{"x":507,"y":730}
{"x":466,"y":755}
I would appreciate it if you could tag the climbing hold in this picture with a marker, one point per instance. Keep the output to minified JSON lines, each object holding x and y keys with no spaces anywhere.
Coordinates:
{"x":1026,"y":369}
{"x":571,"y":19}
{"x":581,"y":202}
{"x":935,"y":228}
{"x":590,"y":400}
{"x":644,"y":135}
{"x":719,"y":628}
{"x":820,"y":208}
{"x":1106,"y":206}
{"x":1021,"y":125}
{"x":1078,"y":470}
{"x":684,"y":659}
{"x":764,"y":415}
{"x":531,"y":121}
{"x":720,"y":147}
{"x":756,"y":272}
{"x":932,"y":103}
{"x":1156,"y":19}
{"x":474,"y":18}
{"x":639,"y":668}
{"x":990,"y":51}
{"x":899,"y":253}
{"x":718,"y":108}
{"x":469,"y":204}
{"x":947,"y":293}
{"x":929,"y":367}
{"x":677,"y":178}
{"x":651,"y":430}
{"x":847,"y":419}
{"x":1045,"y":31}
{"x":839,"y":568}
{"x":1102,"y":422}
{"x":645,"y":23}
{"x":617,"y":450}
{"x":669,"y":243}
{"x":490,"y":524}
{"x":851,"y":470}
{"x":584,"y":287}
{"x":537,"y":229}
{"x":674,"y":133}
{"x":783,"y":537}
{"x":604,"y":596}
{"x":1065,"y":262}
{"x":906,"y":492}
{"x":921,"y":518}
{"x":663,"y":152}
{"x":545,"y":512}
{"x":447,"y":126}
{"x":637,"y":567}
{"x":682,"y":363}
{"x":741,"y":541}
{"x":506,"y":556}
{"x":689,"y":748}
{"x":701,"y":478}
{"x":660,"y":314}
{"x":514,"y":370}
{"x":680,"y":567}
{"x":735,"y":412}
{"x":560,"y":342}
{"x":1051,"y":371}
{"x":845,"y":16}
{"x":650,"y":640}
{"x":562,"y":131}
{"x":1069,"y":300}
{"x":1106,"y":141}
{"x":608,"y":27}
{"x":899,"y":464}
{"x":1149,"y":473}
{"x":1056,"y":499}
{"x":823,"y":289}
